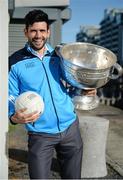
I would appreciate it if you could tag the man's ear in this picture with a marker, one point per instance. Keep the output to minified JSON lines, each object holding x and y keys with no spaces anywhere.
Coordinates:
{"x":49,"y":31}
{"x":25,"y":32}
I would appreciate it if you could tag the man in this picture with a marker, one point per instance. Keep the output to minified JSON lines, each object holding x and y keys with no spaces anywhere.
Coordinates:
{"x":36,"y":68}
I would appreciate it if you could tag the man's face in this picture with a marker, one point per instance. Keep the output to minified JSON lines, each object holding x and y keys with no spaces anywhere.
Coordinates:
{"x":37,"y":35}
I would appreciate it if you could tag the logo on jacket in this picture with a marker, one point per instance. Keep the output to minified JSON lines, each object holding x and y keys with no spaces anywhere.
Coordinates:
{"x":30,"y":64}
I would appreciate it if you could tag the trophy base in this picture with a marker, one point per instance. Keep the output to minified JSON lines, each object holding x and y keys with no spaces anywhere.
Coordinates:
{"x":86,"y":102}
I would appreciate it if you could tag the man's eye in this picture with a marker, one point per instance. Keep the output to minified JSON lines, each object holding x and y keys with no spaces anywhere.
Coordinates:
{"x":42,"y":30}
{"x":33,"y":30}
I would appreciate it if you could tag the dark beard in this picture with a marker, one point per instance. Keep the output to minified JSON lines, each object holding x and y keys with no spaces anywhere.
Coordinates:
{"x":35,"y":48}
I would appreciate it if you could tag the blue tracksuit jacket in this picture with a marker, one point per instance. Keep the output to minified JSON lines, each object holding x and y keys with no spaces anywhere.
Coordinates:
{"x":29,"y":73}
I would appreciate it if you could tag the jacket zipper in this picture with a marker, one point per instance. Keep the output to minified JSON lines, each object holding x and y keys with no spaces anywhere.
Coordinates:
{"x":51,"y":96}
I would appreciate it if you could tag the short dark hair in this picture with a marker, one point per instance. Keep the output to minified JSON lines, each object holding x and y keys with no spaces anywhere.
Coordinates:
{"x":36,"y":16}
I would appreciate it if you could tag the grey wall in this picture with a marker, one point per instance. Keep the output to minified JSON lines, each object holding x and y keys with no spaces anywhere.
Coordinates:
{"x":16,"y":37}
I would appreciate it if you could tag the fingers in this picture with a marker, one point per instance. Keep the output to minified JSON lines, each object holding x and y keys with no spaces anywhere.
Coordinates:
{"x":20,"y":117}
{"x":90,"y":92}
{"x":30,"y":117}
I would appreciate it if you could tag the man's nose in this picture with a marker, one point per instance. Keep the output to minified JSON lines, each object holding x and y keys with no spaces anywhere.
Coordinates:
{"x":38,"y":34}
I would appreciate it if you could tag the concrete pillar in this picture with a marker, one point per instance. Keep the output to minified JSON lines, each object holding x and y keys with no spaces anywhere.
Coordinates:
{"x":94,"y":132}
{"x":3,"y":88}
{"x":55,"y":37}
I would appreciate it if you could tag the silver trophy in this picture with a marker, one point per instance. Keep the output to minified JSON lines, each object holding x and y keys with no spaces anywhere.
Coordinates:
{"x":87,"y":66}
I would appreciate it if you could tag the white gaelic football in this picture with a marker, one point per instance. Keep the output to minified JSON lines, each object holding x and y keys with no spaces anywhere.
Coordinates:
{"x":30,"y":100}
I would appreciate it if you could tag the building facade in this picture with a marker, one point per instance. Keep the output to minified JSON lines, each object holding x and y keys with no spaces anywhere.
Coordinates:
{"x":111,"y":37}
{"x":89,"y":34}
{"x":111,"y":28}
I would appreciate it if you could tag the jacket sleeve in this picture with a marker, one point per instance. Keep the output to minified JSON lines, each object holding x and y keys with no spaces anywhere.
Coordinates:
{"x":13,"y":89}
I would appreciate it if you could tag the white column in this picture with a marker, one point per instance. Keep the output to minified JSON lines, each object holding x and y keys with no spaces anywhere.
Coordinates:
{"x":3,"y":88}
{"x":94,"y":131}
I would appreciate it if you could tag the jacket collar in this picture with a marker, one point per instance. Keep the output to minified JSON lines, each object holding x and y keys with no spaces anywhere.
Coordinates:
{"x":49,"y":49}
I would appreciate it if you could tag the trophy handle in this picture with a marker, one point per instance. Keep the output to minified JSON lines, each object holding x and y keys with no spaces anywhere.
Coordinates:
{"x":119,"y":70}
{"x":58,"y":48}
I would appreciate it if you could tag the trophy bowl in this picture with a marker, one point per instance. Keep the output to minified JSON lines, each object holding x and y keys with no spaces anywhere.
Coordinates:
{"x":87,"y":66}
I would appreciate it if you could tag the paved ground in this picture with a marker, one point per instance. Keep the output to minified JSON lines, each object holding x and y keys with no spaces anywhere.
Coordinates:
{"x":18,"y":150}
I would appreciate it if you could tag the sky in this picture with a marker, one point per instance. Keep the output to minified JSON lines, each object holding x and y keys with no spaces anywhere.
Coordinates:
{"x":86,"y":12}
